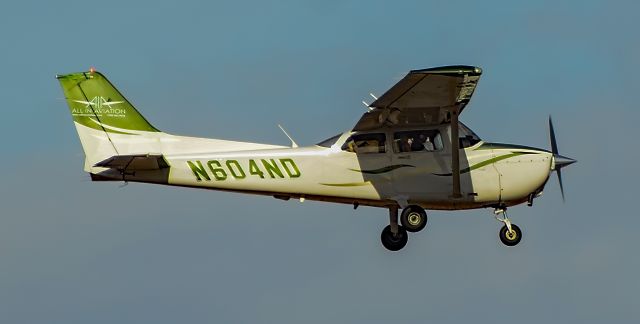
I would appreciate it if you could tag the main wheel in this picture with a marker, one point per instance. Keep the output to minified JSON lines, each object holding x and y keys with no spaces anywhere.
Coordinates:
{"x":413,"y":218}
{"x":394,"y":242}
{"x":510,"y":238}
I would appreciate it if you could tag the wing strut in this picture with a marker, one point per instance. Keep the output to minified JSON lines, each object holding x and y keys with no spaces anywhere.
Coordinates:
{"x":455,"y":152}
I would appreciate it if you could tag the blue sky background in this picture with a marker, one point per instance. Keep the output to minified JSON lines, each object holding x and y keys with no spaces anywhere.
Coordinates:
{"x":72,"y":251}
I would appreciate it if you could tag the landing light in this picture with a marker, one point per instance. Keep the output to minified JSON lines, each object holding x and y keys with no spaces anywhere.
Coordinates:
{"x":92,"y":69}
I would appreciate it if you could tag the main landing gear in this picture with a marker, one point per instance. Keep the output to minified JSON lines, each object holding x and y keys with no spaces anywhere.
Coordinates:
{"x":413,"y":219}
{"x":509,"y":234}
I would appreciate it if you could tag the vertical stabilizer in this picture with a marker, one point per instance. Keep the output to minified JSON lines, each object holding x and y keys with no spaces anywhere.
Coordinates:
{"x":105,"y":120}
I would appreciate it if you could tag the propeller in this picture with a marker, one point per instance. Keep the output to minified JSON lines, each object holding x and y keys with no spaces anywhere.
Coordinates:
{"x":559,"y":160}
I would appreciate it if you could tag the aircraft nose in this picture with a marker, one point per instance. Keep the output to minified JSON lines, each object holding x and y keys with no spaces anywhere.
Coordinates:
{"x":562,"y":161}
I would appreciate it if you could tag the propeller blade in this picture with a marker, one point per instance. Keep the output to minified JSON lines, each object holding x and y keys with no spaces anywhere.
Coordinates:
{"x":559,"y":160}
{"x":552,"y":135}
{"x":560,"y":182}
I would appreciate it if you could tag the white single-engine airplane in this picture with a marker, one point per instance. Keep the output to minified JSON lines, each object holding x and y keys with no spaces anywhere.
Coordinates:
{"x":402,"y":153}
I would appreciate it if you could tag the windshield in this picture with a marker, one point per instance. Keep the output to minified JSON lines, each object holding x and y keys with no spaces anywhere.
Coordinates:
{"x":467,"y":136}
{"x":330,"y":141}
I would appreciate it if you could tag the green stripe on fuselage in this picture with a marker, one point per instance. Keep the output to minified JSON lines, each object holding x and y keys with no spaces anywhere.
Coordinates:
{"x":511,"y":147}
{"x":486,"y":162}
{"x":384,"y":169}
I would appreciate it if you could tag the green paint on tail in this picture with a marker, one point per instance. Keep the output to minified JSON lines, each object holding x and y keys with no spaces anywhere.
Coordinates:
{"x":91,"y":96}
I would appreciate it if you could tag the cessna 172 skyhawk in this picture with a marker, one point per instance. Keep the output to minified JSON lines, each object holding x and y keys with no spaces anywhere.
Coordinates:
{"x":402,"y":154}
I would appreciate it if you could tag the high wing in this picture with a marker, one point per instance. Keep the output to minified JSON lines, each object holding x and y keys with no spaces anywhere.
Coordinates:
{"x":423,"y":97}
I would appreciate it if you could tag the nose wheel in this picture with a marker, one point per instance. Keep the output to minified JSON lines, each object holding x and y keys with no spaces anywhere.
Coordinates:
{"x":510,"y":234}
{"x":510,"y":238}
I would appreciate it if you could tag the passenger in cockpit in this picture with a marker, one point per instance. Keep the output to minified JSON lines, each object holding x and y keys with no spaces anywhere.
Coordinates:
{"x":427,"y":144}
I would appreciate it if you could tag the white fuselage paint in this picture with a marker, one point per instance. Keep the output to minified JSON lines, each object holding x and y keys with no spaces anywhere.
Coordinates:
{"x":491,"y":175}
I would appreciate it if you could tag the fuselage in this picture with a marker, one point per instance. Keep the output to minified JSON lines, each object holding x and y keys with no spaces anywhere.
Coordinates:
{"x":380,"y":174}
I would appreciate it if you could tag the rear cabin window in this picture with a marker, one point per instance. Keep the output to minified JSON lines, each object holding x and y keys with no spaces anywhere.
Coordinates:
{"x":417,"y":141}
{"x":365,"y":143}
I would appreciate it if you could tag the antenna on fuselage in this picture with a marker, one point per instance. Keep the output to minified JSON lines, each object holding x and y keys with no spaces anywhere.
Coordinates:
{"x":293,"y":143}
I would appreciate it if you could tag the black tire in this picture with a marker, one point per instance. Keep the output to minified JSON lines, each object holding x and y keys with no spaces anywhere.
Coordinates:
{"x":510,"y":239}
{"x":413,"y":218}
{"x":394,"y":242}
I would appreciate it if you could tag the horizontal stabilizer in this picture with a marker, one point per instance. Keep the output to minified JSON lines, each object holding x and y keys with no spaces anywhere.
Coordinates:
{"x":138,"y":162}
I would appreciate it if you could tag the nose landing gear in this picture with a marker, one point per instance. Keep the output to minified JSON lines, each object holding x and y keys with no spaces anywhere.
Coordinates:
{"x":510,"y":234}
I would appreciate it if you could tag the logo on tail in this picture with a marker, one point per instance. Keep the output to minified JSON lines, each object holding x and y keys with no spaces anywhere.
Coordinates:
{"x":99,"y":106}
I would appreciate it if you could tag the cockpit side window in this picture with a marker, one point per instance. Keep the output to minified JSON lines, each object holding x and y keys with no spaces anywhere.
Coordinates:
{"x":417,"y":141}
{"x":365,"y":143}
